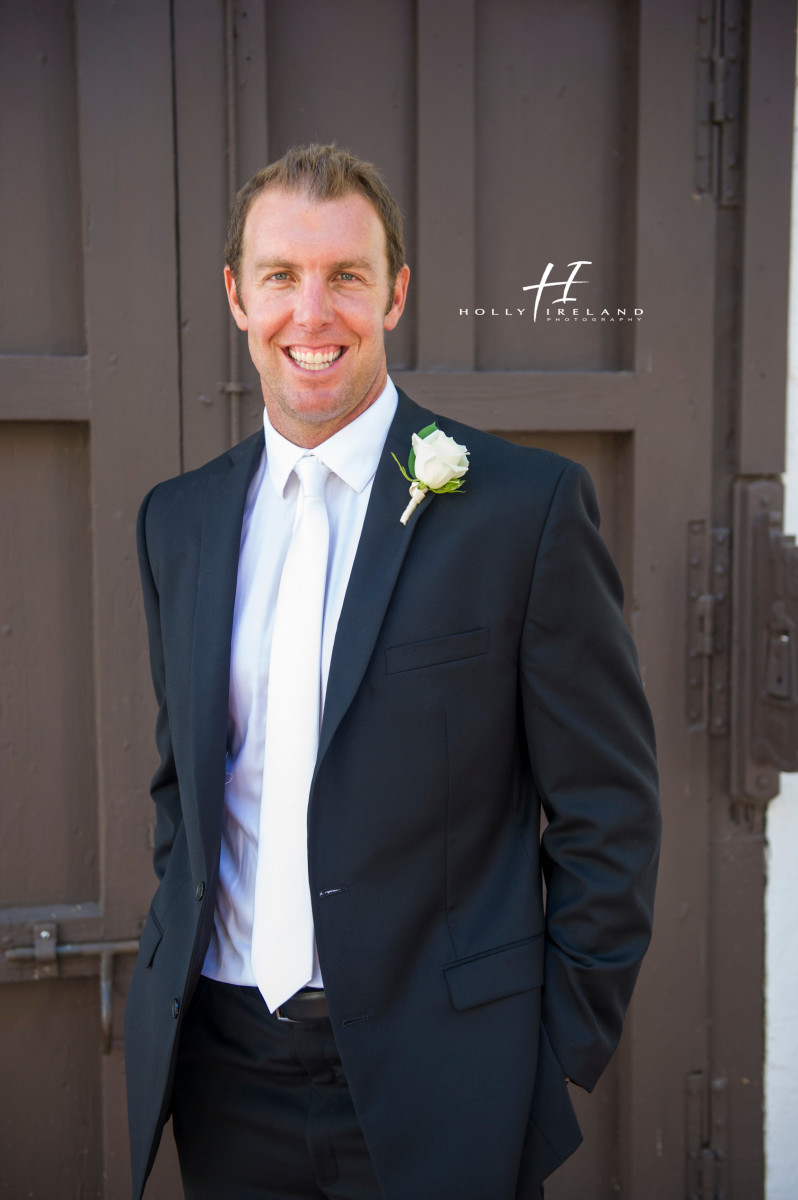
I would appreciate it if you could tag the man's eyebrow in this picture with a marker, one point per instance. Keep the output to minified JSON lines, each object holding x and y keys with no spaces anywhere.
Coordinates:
{"x":262,"y":264}
{"x":344,"y":264}
{"x":360,"y":264}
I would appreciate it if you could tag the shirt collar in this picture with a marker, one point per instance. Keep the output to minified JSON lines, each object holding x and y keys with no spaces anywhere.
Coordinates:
{"x":353,"y":453}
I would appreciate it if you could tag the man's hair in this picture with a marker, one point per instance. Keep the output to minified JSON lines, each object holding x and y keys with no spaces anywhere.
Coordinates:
{"x":323,"y":173}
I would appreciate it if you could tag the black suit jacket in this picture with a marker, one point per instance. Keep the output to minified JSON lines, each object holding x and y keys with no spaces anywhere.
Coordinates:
{"x":481,"y":670}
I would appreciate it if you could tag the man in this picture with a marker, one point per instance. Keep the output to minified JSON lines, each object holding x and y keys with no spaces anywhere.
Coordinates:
{"x":347,"y":985}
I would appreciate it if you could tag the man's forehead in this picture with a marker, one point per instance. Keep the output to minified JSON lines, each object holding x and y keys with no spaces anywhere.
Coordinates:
{"x":277,"y":202}
{"x":280,"y":214}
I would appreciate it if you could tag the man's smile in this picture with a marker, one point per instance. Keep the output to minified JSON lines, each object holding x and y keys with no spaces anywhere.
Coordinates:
{"x":314,"y":360}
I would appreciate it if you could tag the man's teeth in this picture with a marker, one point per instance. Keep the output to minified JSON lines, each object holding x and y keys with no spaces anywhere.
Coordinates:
{"x":314,"y":360}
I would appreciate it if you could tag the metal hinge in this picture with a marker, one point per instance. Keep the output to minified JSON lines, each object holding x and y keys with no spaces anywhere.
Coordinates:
{"x":46,"y":951}
{"x":719,"y":100}
{"x":706,"y":1120}
{"x":708,"y":628}
{"x":765,"y":663}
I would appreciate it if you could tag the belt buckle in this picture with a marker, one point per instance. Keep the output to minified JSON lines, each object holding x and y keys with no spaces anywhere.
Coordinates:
{"x":295,"y":1002}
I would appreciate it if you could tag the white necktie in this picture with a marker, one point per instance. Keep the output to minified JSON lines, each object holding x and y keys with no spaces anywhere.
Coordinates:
{"x":282,"y":931}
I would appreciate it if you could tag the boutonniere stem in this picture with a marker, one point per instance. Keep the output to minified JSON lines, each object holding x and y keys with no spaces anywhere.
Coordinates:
{"x":417,"y":494}
{"x":436,"y":464}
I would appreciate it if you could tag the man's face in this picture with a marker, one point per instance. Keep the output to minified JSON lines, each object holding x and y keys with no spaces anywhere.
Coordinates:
{"x":313,"y":295}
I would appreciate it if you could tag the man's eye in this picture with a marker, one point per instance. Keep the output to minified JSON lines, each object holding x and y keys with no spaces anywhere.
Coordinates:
{"x":346,"y":275}
{"x":279,"y":276}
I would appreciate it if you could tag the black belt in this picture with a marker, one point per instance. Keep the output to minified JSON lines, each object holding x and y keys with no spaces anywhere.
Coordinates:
{"x":307,"y":1005}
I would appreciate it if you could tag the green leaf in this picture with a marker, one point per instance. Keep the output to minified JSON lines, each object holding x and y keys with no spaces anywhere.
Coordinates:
{"x":411,"y":463}
{"x":454,"y":485}
{"x":429,"y":429}
{"x":409,"y":478}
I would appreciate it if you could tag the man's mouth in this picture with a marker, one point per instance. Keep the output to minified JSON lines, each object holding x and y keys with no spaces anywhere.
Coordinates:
{"x":314,"y":360}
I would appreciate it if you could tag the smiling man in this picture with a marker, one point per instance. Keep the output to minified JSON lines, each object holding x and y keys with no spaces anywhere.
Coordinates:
{"x":348,"y":985}
{"x":313,"y":289}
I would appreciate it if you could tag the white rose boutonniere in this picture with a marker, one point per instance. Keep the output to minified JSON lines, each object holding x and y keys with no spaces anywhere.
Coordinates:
{"x":436,"y":464}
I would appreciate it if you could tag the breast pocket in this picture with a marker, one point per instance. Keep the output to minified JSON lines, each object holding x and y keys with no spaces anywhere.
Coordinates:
{"x":435,"y":652}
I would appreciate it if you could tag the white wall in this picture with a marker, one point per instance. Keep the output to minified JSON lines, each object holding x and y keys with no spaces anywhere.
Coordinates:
{"x":781,"y":903}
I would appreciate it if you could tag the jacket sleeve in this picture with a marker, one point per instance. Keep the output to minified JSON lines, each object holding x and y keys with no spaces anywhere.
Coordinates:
{"x":164,"y":787}
{"x":591,"y":749}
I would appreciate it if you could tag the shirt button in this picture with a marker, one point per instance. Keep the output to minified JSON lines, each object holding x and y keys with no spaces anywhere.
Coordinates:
{"x":175,"y":1008}
{"x":200,"y":892}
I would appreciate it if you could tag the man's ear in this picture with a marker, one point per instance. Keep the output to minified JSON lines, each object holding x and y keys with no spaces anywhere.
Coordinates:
{"x":236,"y":308}
{"x":399,"y":296}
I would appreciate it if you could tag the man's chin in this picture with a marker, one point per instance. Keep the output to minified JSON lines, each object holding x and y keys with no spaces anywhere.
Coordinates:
{"x":302,"y":419}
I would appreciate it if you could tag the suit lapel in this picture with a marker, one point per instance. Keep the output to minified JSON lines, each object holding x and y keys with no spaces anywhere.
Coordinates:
{"x":222,"y":516}
{"x":383,"y":545}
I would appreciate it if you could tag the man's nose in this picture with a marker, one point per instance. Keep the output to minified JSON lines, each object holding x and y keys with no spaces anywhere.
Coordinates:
{"x":313,"y":309}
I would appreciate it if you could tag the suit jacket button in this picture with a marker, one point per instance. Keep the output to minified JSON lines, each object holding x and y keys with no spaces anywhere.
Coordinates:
{"x":200,"y":892}
{"x":175,"y":1008}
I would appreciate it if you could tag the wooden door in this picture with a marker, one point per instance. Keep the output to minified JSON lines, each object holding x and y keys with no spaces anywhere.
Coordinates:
{"x":88,"y":420}
{"x":514,"y":136}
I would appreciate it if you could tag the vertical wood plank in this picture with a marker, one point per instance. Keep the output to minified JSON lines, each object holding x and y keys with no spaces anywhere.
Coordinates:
{"x":127,"y":184}
{"x":769,"y":91}
{"x":253,"y":153}
{"x":127,"y":178}
{"x":251,"y":70}
{"x":446,"y":182}
{"x":200,"y":84}
{"x":666,"y":1035}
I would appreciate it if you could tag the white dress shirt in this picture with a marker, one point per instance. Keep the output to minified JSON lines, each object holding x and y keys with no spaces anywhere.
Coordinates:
{"x":352,"y":455}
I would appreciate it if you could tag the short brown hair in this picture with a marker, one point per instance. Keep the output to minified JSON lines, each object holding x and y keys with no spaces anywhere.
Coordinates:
{"x":324,"y":173}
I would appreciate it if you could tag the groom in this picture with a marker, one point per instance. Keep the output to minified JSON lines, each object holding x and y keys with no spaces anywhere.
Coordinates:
{"x":348,"y":984}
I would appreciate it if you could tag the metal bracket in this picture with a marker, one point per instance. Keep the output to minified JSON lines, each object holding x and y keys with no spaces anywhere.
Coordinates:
{"x":720,"y":586}
{"x":707,"y":628}
{"x":706,"y":1137}
{"x":45,"y":936}
{"x":698,"y":613}
{"x":46,"y":952}
{"x":719,"y":99}
{"x":765,"y":643}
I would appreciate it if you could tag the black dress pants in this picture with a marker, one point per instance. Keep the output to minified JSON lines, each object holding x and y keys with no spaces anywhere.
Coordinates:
{"x":261,"y":1108}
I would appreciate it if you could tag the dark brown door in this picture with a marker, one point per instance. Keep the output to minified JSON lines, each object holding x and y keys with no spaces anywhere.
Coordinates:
{"x":88,"y":402}
{"x":514,"y":136}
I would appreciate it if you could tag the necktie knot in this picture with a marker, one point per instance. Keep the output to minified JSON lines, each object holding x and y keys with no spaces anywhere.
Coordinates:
{"x":313,"y":475}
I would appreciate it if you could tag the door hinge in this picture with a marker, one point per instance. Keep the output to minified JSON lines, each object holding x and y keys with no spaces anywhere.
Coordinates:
{"x":719,"y":99}
{"x":706,"y":1140}
{"x":708,"y":628}
{"x":765,"y":643}
{"x":46,"y":952}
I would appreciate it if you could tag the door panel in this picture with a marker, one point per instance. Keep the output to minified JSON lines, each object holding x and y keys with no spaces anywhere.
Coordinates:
{"x":41,"y":288}
{"x":47,"y":666}
{"x":555,"y":153}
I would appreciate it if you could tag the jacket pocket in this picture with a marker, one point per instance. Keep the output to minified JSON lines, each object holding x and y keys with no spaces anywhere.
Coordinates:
{"x":504,"y":971}
{"x":150,"y":939}
{"x":435,"y":651}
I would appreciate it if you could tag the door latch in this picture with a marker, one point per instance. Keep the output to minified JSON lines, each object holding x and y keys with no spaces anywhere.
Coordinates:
{"x":46,"y":951}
